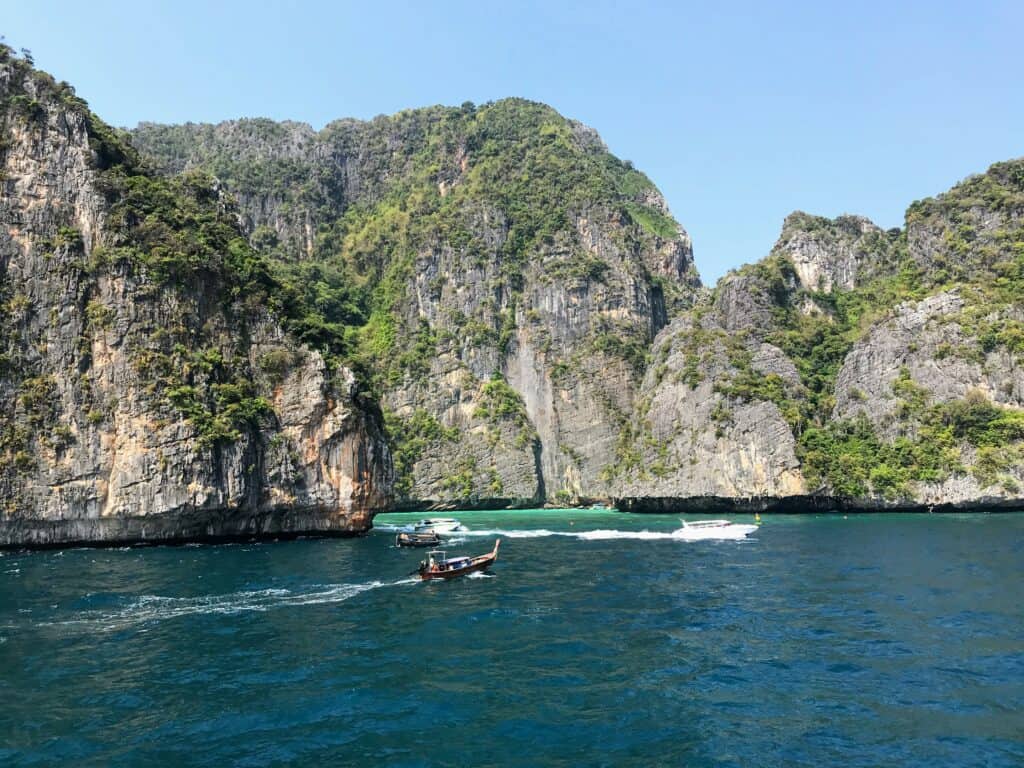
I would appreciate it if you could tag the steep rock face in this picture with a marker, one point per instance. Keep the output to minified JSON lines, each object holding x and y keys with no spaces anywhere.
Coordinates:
{"x":141,"y":400}
{"x":693,"y":441}
{"x":852,"y":366}
{"x":833,"y":254}
{"x":968,"y":233}
{"x":702,"y":428}
{"x":267,"y":152}
{"x":934,"y":341}
{"x":179,"y":362}
{"x":907,"y":371}
{"x":515,"y":274}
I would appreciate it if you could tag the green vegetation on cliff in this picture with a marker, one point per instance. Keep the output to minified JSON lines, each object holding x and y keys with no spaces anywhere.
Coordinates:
{"x":944,"y":246}
{"x":409,"y":438}
{"x":853,"y":460}
{"x":445,"y":254}
{"x":513,"y":170}
{"x":434,"y":244}
{"x":171,"y":236}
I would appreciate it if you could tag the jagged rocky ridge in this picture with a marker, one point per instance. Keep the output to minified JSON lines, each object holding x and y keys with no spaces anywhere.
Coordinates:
{"x":150,"y":387}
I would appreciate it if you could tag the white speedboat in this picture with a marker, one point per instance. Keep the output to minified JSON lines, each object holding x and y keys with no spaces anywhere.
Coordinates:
{"x":439,"y":525}
{"x":713,"y":529}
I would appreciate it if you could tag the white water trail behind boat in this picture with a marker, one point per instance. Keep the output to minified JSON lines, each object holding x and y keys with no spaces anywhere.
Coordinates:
{"x":603,"y":534}
{"x":146,"y":609}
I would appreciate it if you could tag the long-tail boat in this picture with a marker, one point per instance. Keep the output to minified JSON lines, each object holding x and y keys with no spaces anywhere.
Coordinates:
{"x":439,"y":566}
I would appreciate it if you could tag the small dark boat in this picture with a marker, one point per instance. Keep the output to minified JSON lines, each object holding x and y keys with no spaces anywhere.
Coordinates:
{"x":439,"y":566}
{"x":417,"y":539}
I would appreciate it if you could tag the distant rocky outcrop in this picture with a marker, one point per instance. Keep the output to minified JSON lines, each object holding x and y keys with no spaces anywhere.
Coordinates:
{"x":834,"y":254}
{"x":853,"y":367}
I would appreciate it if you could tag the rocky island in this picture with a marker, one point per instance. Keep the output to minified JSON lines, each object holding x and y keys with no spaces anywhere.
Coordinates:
{"x":257,"y":328}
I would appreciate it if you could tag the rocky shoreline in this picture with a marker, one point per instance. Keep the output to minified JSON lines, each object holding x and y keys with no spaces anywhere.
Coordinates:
{"x":714,"y":505}
{"x":204,"y":526}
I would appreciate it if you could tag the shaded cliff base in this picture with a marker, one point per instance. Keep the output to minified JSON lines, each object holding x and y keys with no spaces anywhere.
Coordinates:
{"x":804,"y":505}
{"x":181,"y":528}
{"x":786,"y":505}
{"x":465,"y":505}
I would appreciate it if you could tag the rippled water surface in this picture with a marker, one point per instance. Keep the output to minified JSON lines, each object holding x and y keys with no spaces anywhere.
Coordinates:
{"x":597,"y":640}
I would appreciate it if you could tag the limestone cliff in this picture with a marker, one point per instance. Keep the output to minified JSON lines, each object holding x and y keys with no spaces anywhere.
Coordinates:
{"x":535,"y":328}
{"x":851,"y":367}
{"x":507,"y":274}
{"x":236,"y":334}
{"x":149,"y":388}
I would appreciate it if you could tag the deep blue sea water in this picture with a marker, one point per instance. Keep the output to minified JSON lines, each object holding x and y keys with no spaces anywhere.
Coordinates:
{"x":873,"y":640}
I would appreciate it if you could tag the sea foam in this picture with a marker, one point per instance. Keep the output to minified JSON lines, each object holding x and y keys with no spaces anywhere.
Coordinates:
{"x":146,"y":609}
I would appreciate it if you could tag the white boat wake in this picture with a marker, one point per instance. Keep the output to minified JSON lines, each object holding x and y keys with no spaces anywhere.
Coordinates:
{"x":681,"y":534}
{"x":147,"y":609}
{"x":732,"y":532}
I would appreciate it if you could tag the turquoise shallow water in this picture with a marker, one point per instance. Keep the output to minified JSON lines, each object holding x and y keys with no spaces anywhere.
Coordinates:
{"x":868,"y":641}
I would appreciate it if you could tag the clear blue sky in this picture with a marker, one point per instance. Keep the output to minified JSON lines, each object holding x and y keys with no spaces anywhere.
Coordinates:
{"x":739,"y":112}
